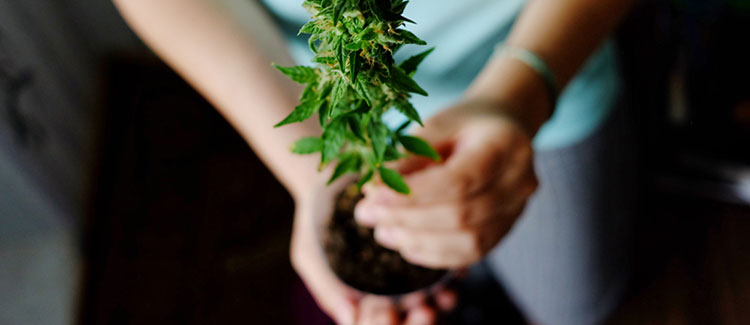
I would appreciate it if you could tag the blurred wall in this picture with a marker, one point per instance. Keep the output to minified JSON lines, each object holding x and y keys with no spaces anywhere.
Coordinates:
{"x":51,"y":59}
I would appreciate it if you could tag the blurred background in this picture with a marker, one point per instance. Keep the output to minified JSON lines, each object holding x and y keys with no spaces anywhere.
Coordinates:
{"x":125,"y":198}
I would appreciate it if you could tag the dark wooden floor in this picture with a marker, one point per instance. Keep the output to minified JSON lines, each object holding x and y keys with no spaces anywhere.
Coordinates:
{"x":187,"y":226}
{"x":693,"y":265}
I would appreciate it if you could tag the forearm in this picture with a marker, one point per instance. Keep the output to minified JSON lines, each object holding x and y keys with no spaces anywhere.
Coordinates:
{"x":224,"y":48}
{"x":563,"y":33}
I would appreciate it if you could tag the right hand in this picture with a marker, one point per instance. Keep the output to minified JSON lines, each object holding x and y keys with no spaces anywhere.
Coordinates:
{"x":342,"y":303}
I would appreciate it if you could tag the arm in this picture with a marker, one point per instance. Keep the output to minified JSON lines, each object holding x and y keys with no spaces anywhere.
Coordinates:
{"x":564,"y":33}
{"x":224,"y":48}
{"x":459,"y":210}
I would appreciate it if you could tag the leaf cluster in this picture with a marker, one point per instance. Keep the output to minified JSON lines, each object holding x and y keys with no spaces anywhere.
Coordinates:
{"x":354,"y":81}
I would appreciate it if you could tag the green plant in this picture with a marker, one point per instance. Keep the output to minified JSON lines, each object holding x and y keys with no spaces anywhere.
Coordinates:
{"x":354,"y":82}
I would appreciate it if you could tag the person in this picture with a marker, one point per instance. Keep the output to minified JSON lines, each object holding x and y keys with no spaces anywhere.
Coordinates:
{"x":564,"y":260}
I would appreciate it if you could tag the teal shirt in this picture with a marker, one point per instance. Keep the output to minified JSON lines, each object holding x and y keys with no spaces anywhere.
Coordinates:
{"x":465,"y":34}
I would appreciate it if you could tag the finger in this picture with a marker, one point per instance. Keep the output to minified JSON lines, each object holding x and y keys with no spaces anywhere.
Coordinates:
{"x":420,"y":315}
{"x":376,"y":310}
{"x":432,"y":184}
{"x":440,"y":216}
{"x":435,"y":259}
{"x":430,"y":248}
{"x":472,"y":213}
{"x":446,"y":300}
{"x":412,"y":300}
{"x":331,"y":295}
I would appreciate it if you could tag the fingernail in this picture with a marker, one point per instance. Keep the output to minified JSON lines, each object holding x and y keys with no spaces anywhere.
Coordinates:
{"x":365,"y":215}
{"x":387,"y":236}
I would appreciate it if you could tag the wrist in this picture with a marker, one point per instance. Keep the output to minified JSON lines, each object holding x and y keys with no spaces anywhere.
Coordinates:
{"x":513,"y":89}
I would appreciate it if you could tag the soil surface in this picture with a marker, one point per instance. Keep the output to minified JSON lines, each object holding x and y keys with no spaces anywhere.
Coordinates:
{"x":359,"y":261}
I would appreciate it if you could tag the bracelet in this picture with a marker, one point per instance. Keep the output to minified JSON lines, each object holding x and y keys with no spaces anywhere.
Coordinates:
{"x":535,"y":63}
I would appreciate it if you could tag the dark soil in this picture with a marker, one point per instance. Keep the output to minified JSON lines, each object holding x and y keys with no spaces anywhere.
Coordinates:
{"x":360,"y":262}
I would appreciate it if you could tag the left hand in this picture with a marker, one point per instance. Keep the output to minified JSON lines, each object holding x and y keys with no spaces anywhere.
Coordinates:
{"x":460,"y":209}
{"x":380,"y":310}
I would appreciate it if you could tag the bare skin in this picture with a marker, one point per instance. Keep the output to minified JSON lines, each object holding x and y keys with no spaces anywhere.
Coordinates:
{"x":224,"y":47}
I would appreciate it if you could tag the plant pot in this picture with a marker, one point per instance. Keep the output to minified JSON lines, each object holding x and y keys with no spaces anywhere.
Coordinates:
{"x":360,"y":262}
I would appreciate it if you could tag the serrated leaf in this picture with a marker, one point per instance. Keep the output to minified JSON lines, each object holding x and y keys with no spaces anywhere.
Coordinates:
{"x":406,"y":108}
{"x":350,"y":163}
{"x":403,"y":82}
{"x":410,"y":65}
{"x":325,"y":60}
{"x":367,"y":34}
{"x":398,"y":8}
{"x":300,"y":74}
{"x":354,"y":66}
{"x":300,"y":113}
{"x":419,"y":147}
{"x":375,"y":8}
{"x":333,"y":139}
{"x":339,"y":103}
{"x":394,"y":180}
{"x":338,"y":9}
{"x":363,"y":90}
{"x":354,"y":46}
{"x":377,"y":132}
{"x":308,"y":145}
{"x":356,"y":127}
{"x":407,"y":37}
{"x":309,"y":28}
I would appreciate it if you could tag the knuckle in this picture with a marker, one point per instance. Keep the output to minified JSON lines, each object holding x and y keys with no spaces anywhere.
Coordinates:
{"x":463,"y":213}
{"x":484,"y":242}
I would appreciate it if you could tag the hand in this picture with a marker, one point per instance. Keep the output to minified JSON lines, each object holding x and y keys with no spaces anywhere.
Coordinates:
{"x":340,"y":302}
{"x":460,"y":209}
{"x":379,"y":310}
{"x":334,"y":297}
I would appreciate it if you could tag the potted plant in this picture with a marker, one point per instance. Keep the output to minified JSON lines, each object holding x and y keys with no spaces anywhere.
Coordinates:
{"x":353,"y":82}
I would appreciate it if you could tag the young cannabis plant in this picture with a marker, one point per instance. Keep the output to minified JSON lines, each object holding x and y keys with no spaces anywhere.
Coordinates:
{"x":354,"y":82}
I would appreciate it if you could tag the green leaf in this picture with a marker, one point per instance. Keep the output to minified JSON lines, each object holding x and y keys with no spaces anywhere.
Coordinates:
{"x":353,"y":66}
{"x":403,"y":82}
{"x":394,"y":180}
{"x":351,"y":163}
{"x":325,"y":60}
{"x":300,"y":74}
{"x":377,"y":131}
{"x":368,"y":34}
{"x":323,"y":105}
{"x":407,"y":37}
{"x":300,"y":113}
{"x":333,"y":139}
{"x":363,"y":90}
{"x":365,"y":178}
{"x":406,"y":108}
{"x":411,"y":64}
{"x":356,"y":127}
{"x":308,"y":28}
{"x":391,"y":154}
{"x":339,"y":103}
{"x":419,"y":147}
{"x":341,"y":54}
{"x":403,"y":126}
{"x":354,"y":46}
{"x":308,"y":145}
{"x":338,"y":9}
